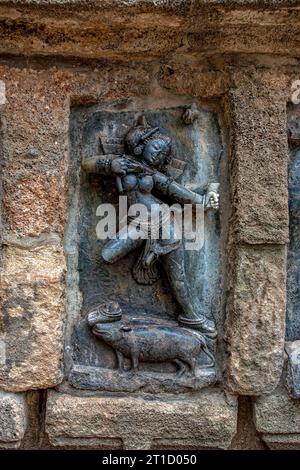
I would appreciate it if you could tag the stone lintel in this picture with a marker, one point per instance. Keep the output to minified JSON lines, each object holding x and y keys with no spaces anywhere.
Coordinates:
{"x":207,"y":27}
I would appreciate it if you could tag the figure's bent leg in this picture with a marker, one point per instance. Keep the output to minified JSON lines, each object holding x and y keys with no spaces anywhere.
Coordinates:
{"x":173,"y":263}
{"x":117,"y":248}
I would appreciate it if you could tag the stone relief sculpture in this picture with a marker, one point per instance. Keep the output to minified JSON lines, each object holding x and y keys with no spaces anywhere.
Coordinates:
{"x":137,"y":175}
{"x":142,"y":174}
{"x":154,"y":343}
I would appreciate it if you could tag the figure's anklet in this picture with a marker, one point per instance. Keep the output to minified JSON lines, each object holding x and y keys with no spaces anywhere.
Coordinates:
{"x":199,"y":324}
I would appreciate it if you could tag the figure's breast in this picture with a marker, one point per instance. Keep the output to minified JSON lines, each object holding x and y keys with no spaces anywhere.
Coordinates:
{"x":129,"y":182}
{"x":145,"y":184}
{"x":142,"y":183}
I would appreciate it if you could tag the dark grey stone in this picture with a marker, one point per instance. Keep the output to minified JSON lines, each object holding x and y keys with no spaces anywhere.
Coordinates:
{"x":292,"y":349}
{"x":199,"y":147}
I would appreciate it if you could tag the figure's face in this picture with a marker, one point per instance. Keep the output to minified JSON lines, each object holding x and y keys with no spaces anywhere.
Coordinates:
{"x":154,"y":152}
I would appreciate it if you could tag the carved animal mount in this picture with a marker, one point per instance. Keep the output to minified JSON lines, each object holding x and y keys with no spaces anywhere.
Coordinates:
{"x":151,"y":343}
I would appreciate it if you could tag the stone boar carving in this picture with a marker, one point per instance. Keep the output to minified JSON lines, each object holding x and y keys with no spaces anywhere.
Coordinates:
{"x":153,"y":343}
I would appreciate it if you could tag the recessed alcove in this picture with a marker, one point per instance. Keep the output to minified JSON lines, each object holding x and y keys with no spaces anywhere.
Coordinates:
{"x":101,"y":129}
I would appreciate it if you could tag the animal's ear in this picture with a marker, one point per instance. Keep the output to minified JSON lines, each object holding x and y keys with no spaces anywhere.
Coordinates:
{"x":126,"y":328}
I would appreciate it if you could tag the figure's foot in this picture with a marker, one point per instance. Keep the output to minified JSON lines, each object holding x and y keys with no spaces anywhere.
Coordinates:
{"x":105,"y":313}
{"x":202,"y":324}
{"x":149,"y":259}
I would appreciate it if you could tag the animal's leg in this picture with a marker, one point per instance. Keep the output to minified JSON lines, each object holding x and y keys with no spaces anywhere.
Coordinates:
{"x":192,"y":364}
{"x":209,"y":355}
{"x":181,"y":367}
{"x":120,"y":358}
{"x":134,"y":362}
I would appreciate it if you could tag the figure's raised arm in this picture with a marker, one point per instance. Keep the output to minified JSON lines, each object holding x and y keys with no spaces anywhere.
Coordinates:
{"x":109,"y":165}
{"x":176,"y":191}
{"x":168,"y":187}
{"x":98,"y":164}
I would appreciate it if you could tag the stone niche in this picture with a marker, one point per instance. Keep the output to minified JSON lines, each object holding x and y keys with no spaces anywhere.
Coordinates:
{"x":200,"y":159}
{"x":293,"y":294}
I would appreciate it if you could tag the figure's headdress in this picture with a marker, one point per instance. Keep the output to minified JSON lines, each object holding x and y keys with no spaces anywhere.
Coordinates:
{"x":135,"y":140}
{"x":142,"y":133}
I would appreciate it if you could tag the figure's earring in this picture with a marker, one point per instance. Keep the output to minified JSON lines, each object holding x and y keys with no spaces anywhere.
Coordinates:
{"x":138,"y":150}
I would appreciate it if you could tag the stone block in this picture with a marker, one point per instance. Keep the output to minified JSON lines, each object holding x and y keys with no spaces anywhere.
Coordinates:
{"x":34,"y":203}
{"x":282,"y":442}
{"x":202,"y":421}
{"x":13,"y":420}
{"x":255,"y":323}
{"x":31,"y":317}
{"x":34,"y":155}
{"x":277,"y":418}
{"x":259,"y":159}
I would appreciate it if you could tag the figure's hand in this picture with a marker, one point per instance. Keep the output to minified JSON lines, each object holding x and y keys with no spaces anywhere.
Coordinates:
{"x":212,"y":200}
{"x":121,"y":166}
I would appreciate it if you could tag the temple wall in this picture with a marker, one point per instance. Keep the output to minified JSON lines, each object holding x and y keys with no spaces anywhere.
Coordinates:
{"x":61,"y":63}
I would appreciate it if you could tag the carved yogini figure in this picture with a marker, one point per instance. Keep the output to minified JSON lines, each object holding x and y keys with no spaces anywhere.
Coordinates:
{"x":138,"y":173}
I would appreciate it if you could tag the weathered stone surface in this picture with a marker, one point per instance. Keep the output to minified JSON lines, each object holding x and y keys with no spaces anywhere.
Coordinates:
{"x":277,"y":417}
{"x":282,"y":442}
{"x":113,"y":31}
{"x":31,"y":318}
{"x":258,"y":231}
{"x":41,"y":257}
{"x":178,"y":75}
{"x":35,"y":184}
{"x":33,"y":202}
{"x":204,"y":420}
{"x":256,"y":320}
{"x":13,"y":420}
{"x":200,"y":45}
{"x":292,"y":349}
{"x":97,"y":378}
{"x":34,"y":163}
{"x":247,"y":436}
{"x":259,"y":158}
{"x":34,"y":155}
{"x":153,"y":3}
